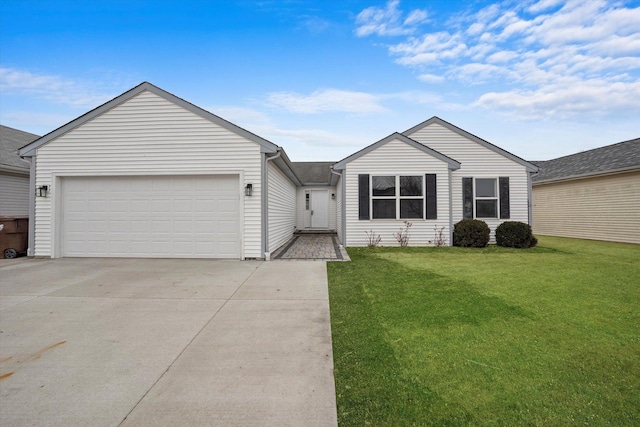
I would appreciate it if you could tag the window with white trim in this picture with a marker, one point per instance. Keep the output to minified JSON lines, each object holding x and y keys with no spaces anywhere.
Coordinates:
{"x":397,"y":197}
{"x":486,"y":199}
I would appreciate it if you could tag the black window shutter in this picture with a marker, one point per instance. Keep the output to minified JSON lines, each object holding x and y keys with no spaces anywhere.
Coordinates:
{"x":467,"y":198}
{"x":505,"y":212}
{"x":363,"y":196}
{"x":432,"y":198}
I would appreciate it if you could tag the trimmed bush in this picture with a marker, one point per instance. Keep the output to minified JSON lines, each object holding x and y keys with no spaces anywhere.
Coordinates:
{"x":471,"y":233}
{"x":515,"y":234}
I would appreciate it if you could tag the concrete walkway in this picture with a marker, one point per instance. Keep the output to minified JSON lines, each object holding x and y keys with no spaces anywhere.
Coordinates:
{"x":106,"y":342}
{"x":309,"y":246}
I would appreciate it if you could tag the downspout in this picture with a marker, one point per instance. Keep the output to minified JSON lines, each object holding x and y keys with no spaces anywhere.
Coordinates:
{"x":32,"y":205}
{"x":342,"y":216}
{"x":450,"y":208}
{"x":265,"y":204}
{"x":530,"y":198}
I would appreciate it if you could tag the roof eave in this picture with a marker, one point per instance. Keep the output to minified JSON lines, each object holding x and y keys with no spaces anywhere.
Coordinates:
{"x":284,"y":164}
{"x":587,"y":175}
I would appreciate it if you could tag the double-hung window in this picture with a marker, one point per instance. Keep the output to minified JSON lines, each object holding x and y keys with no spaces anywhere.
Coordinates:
{"x":486,"y":198}
{"x":397,"y":197}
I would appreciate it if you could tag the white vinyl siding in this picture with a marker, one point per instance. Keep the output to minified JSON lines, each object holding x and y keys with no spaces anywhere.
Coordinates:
{"x":282,"y":207}
{"x":148,"y":135}
{"x":598,"y":208}
{"x":14,"y":195}
{"x":303,"y":218}
{"x":396,"y":158}
{"x":478,"y":161}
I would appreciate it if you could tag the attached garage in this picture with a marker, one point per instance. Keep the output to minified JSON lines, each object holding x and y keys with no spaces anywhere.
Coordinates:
{"x":151,"y":216}
{"x":151,"y":175}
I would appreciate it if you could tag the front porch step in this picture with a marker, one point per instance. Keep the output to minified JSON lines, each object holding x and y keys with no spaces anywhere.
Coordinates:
{"x":311,"y":231}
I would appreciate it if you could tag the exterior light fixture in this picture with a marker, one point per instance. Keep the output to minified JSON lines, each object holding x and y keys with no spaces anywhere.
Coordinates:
{"x":42,"y":191}
{"x":333,"y":196}
{"x":248,"y":190}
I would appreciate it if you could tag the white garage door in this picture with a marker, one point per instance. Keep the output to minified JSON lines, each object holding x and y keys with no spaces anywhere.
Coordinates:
{"x":151,"y":216}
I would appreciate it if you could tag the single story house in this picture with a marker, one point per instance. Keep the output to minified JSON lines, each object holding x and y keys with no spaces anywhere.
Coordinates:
{"x":14,"y":173}
{"x":593,"y":194}
{"x":149,"y":174}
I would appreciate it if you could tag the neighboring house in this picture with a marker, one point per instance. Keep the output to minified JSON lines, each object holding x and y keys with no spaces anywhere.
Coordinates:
{"x":594,"y":194}
{"x":14,"y":172}
{"x":148,"y":174}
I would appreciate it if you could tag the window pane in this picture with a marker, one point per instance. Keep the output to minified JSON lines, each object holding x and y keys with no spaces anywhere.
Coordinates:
{"x":384,"y":209}
{"x":411,"y":186}
{"x":486,"y":208}
{"x":411,"y":208}
{"x":486,"y":187}
{"x":384,"y":185}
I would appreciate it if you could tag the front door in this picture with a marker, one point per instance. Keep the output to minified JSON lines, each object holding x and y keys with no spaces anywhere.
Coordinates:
{"x":319,"y":209}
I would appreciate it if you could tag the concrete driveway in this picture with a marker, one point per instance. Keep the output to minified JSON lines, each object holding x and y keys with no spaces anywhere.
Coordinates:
{"x":106,"y":342}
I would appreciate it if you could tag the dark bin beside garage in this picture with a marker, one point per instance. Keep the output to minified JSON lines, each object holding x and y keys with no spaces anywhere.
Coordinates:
{"x":14,"y":232}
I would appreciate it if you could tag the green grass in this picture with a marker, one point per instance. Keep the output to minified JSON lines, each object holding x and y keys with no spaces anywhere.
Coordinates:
{"x":545,"y":336}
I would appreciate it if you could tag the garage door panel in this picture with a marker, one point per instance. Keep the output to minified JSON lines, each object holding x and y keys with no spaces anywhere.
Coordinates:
{"x":168,"y":216}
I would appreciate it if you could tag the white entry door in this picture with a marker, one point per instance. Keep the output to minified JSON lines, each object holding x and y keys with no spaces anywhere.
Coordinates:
{"x":151,"y":216}
{"x":319,"y":209}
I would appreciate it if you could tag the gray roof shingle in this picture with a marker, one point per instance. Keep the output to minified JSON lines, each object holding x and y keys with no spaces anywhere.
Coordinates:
{"x":611,"y":158}
{"x":318,"y":173}
{"x":10,"y":141}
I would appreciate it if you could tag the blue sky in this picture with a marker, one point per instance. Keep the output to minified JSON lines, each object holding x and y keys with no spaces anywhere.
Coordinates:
{"x":539,"y":78}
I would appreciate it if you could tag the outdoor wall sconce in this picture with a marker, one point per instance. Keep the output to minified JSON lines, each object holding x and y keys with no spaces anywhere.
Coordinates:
{"x":42,"y":191}
{"x":333,"y":196}
{"x":248,"y":190}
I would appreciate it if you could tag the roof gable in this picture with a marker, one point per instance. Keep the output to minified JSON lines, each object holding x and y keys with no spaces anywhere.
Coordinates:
{"x":342,"y":164}
{"x":265,"y":146}
{"x":529,"y":166}
{"x":620,"y":157}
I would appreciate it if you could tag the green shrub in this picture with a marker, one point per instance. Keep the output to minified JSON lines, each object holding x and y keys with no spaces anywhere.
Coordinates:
{"x":515,"y":234}
{"x":471,"y":233}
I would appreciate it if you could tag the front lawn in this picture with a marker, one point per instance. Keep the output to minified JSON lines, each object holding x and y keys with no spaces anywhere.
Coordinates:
{"x":495,"y":336}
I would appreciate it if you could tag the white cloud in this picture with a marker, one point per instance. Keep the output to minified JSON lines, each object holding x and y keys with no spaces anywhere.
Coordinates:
{"x":342,"y":101}
{"x":53,"y":88}
{"x":431,"y":78}
{"x":388,"y":21}
{"x":596,"y":97}
{"x":417,"y":16}
{"x":568,"y":57}
{"x":326,"y":101}
{"x":543,"y":5}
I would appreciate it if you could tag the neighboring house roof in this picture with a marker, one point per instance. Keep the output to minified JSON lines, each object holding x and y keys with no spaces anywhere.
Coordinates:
{"x":10,"y":142}
{"x":530,"y":167}
{"x":266,"y":146}
{"x":342,"y":164}
{"x":621,"y":157}
{"x":314,"y":173}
